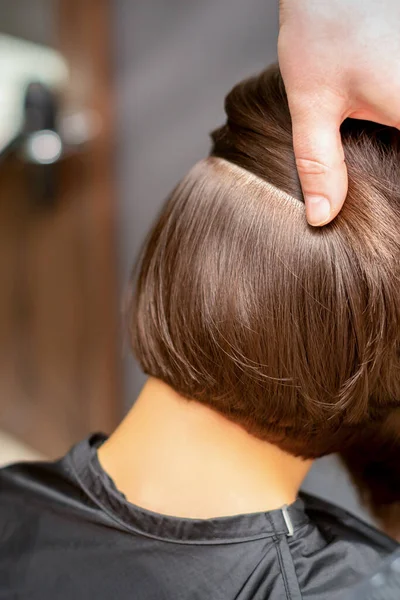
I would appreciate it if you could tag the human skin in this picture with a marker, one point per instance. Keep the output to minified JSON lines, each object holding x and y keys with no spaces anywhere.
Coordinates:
{"x":339,"y":59}
{"x":181,"y":458}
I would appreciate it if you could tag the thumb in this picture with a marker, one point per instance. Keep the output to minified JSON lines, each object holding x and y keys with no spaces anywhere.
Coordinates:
{"x":320,"y":163}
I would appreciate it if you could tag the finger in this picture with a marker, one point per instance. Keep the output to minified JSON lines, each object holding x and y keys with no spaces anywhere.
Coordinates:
{"x":320,"y":164}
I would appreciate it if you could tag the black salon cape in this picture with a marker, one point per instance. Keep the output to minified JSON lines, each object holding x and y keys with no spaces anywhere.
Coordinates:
{"x":66,"y":533}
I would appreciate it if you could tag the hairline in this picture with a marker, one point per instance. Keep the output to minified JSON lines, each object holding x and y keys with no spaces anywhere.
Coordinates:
{"x":253,"y":180}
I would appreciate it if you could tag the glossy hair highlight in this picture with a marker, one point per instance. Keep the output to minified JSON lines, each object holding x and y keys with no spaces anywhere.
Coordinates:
{"x":290,"y":331}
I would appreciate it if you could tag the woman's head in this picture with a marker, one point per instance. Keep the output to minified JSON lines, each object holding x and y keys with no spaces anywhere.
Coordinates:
{"x":291,"y":331}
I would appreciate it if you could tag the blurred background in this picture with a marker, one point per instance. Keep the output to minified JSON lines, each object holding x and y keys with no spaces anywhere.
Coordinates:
{"x":104,"y":105}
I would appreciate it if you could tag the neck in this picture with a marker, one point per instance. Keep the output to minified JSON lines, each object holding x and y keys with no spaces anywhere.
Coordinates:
{"x":178,"y":457}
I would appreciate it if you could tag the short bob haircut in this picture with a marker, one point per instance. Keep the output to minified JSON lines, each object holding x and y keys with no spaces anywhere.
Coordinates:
{"x":288,"y":330}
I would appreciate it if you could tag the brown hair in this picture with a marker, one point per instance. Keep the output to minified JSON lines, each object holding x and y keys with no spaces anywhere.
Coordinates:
{"x":291,"y":331}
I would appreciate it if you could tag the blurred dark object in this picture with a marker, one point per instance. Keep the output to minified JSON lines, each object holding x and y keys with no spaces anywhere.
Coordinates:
{"x":41,"y":144}
{"x":40,"y":108}
{"x":46,"y":137}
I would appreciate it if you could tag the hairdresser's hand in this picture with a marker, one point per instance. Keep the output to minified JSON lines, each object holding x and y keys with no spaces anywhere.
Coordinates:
{"x":339,"y":58}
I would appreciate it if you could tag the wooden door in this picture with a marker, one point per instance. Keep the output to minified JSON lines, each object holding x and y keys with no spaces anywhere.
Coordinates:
{"x":59,"y":348}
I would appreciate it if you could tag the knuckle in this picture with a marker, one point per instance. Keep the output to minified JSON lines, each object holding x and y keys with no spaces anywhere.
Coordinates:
{"x":308,"y":166}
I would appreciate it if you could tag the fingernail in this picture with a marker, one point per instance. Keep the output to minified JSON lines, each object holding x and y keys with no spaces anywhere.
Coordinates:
{"x":318,"y":210}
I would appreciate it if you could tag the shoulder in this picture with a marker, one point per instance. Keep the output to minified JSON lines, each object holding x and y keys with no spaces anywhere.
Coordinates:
{"x":49,"y":526}
{"x":53,"y":482}
{"x":49,"y":492}
{"x":34,"y":480}
{"x":336,"y":549}
{"x":337,"y":522}
{"x":31,"y":491}
{"x":35,"y":506}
